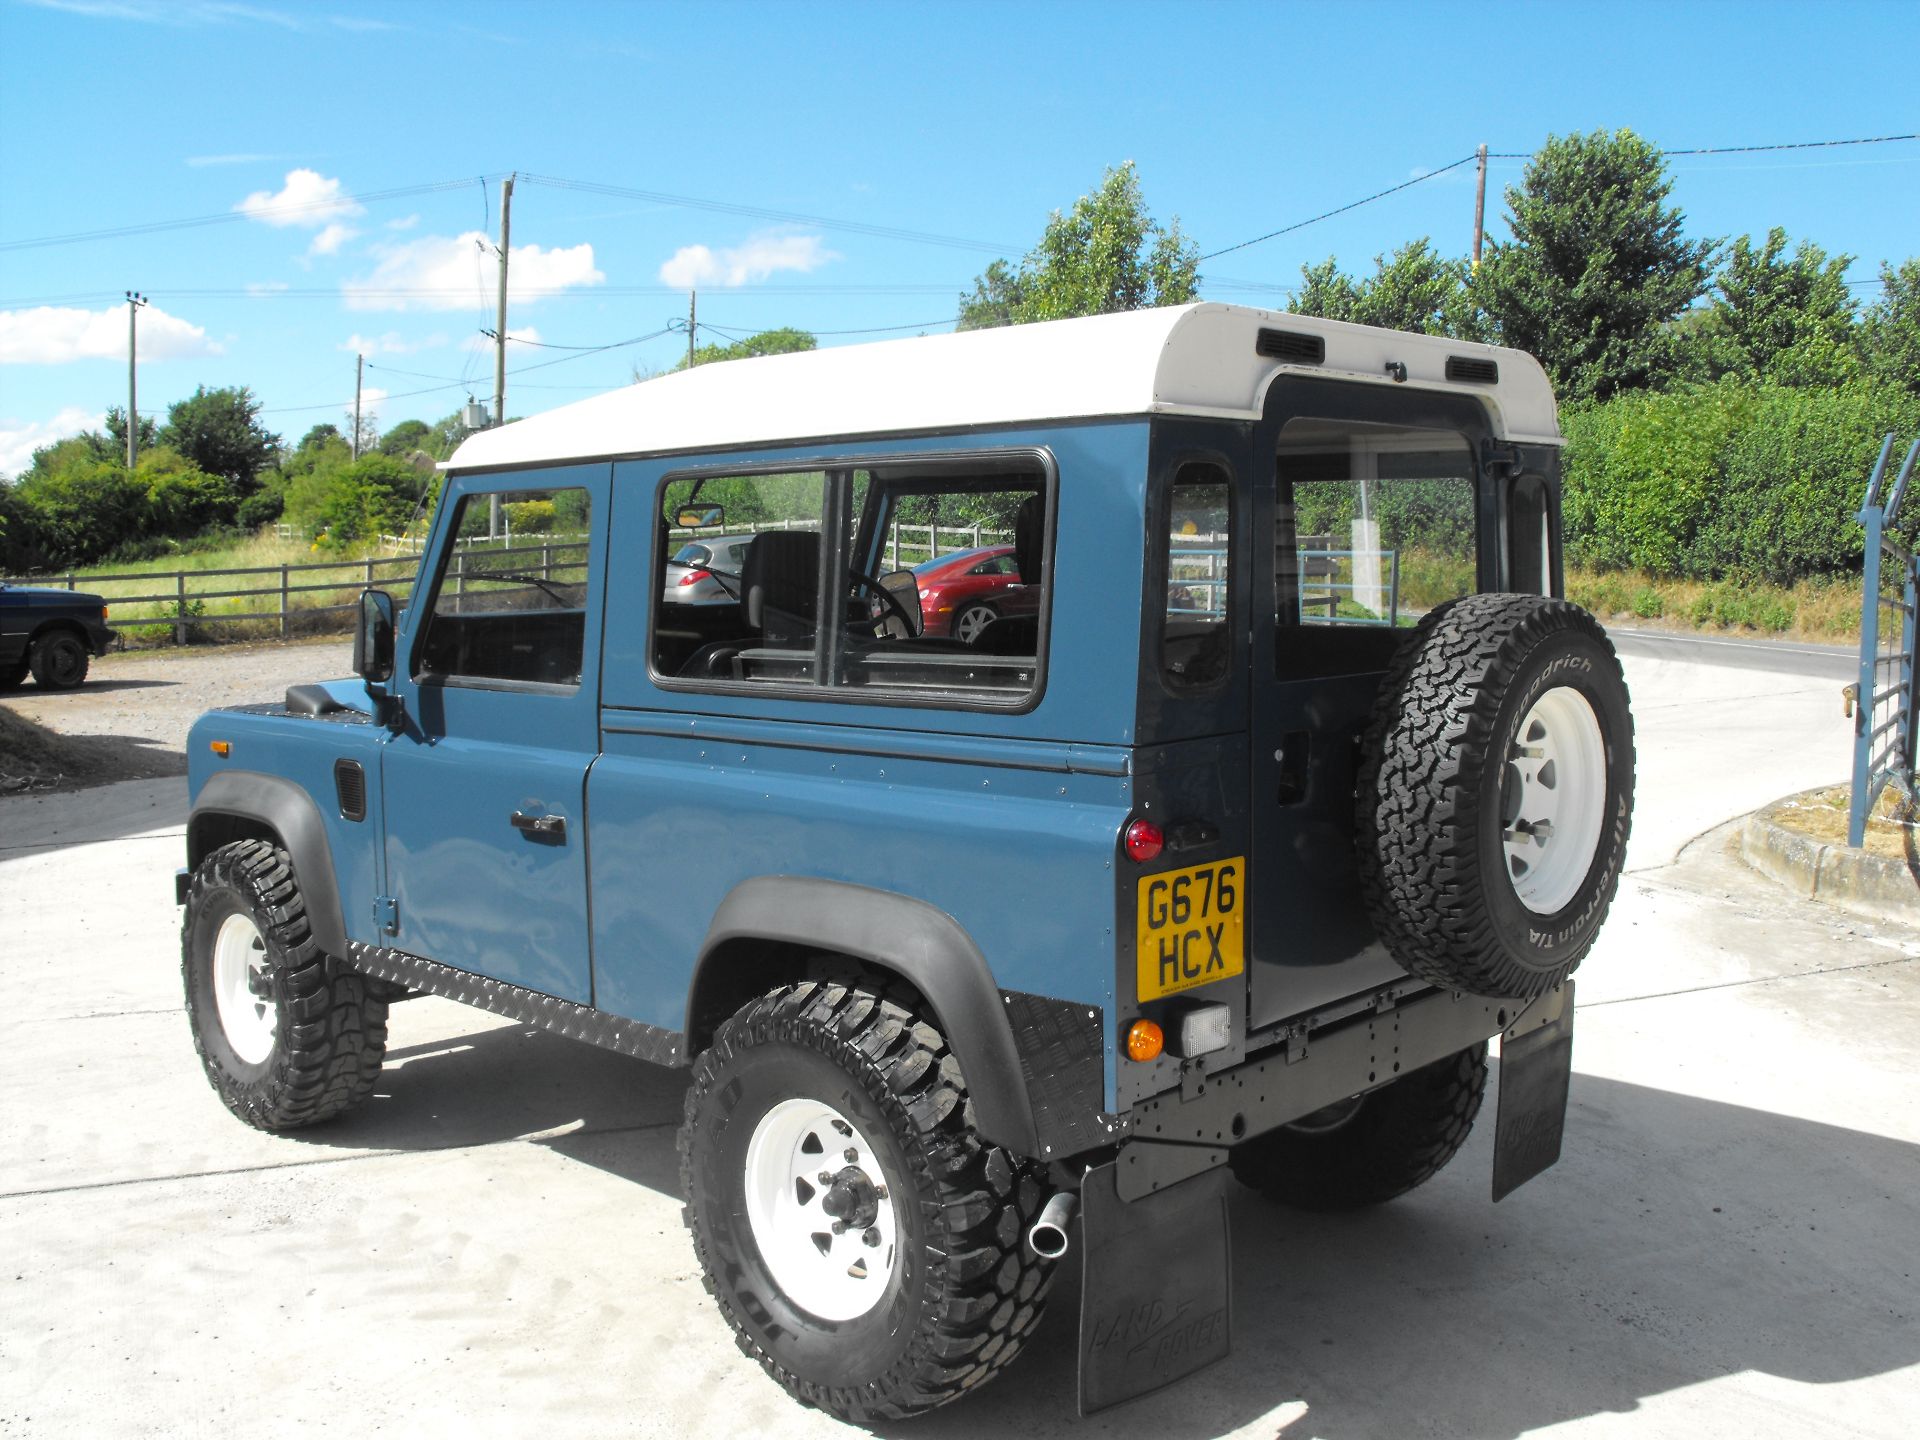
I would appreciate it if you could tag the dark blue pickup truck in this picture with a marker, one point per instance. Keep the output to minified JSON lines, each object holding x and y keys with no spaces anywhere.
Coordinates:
{"x":54,"y":634}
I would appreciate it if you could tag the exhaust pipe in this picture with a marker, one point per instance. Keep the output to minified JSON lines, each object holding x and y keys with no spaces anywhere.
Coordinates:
{"x":1048,"y":1237}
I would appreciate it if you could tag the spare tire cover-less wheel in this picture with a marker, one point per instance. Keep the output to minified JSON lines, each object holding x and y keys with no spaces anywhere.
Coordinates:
{"x":1495,"y":793}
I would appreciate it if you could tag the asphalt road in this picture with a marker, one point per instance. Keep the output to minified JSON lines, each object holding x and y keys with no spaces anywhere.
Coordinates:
{"x":1839,"y":663}
{"x":492,"y":1246}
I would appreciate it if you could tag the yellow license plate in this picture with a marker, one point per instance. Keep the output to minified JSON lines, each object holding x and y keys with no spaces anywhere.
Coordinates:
{"x":1190,"y":929}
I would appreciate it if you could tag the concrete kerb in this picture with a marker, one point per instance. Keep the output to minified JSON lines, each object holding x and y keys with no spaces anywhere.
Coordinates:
{"x":1875,"y":886}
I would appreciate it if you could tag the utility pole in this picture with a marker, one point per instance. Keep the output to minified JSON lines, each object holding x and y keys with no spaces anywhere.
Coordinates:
{"x":500,"y":325}
{"x":134,"y":301}
{"x":359,"y":373}
{"x":693,"y":313}
{"x":500,"y":338}
{"x":1480,"y":206}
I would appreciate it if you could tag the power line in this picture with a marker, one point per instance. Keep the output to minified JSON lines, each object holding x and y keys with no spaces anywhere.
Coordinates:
{"x":226,"y":217}
{"x":1355,"y":205}
{"x":757,"y":212}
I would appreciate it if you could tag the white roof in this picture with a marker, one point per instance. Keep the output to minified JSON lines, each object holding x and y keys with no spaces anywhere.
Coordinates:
{"x":1179,"y":360}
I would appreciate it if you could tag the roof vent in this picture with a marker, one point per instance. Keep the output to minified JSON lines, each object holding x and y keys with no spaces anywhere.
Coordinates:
{"x":1474,"y":372}
{"x":1292,"y":347}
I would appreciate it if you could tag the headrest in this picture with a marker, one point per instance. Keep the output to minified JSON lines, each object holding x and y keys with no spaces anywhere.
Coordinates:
{"x":1029,"y":525}
{"x":780,"y":581}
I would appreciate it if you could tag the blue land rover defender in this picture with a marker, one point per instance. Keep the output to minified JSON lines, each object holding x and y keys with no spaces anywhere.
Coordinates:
{"x":1277,"y":782}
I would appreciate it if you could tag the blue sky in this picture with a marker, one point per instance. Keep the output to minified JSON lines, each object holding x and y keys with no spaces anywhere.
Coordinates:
{"x":962,"y":124}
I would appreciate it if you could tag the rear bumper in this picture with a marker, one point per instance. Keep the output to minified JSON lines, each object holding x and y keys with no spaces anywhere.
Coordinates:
{"x":1184,"y":1132}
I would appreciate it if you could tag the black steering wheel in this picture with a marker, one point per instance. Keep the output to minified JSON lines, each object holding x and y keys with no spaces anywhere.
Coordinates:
{"x":888,"y":598}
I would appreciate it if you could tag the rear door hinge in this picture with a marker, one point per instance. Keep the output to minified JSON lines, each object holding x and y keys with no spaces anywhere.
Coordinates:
{"x":386,"y":914}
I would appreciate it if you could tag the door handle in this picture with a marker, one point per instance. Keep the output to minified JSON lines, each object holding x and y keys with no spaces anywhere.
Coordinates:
{"x":540,"y":827}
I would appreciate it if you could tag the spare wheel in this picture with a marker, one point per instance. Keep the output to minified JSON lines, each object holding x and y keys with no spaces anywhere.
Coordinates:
{"x":1495,"y":793}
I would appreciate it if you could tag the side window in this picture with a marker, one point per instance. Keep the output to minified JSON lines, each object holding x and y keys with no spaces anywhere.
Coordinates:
{"x":1376,"y":523}
{"x":1194,"y":644}
{"x":917,"y":582}
{"x":745,"y":604}
{"x":509,"y":603}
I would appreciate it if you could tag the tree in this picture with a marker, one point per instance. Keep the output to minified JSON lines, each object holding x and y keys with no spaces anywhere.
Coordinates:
{"x":1597,"y":266}
{"x":405,"y":438}
{"x":1789,"y":320}
{"x":444,"y":435}
{"x":317,"y":438}
{"x":116,"y":437}
{"x":183,"y":501}
{"x":220,"y":432}
{"x":1105,"y":255}
{"x":83,"y":508}
{"x":1414,"y":289}
{"x":1890,"y":338}
{"x":784,"y":341}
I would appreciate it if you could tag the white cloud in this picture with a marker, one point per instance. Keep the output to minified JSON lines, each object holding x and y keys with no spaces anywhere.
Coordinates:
{"x":391,"y":343}
{"x":370,"y":398}
{"x":175,"y":12}
{"x":437,"y":272}
{"x":404,"y":223}
{"x":329,"y":240}
{"x":53,"y":335}
{"x":762,"y":255}
{"x":308,"y":198}
{"x":19,"y":439}
{"x":484,"y":343}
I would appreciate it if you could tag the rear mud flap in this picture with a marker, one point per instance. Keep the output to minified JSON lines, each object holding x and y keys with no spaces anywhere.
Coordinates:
{"x":1536,"y":1066}
{"x":1156,"y":1302}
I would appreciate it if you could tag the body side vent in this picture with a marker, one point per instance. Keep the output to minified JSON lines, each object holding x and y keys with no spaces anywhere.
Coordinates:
{"x":1474,"y":372}
{"x":350,"y":785}
{"x":1291,"y":346}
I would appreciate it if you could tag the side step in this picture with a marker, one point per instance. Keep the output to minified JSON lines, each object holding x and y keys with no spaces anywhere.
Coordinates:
{"x":516,"y":1002}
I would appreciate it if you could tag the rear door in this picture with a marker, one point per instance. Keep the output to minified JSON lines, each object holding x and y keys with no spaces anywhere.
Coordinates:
{"x":1374,"y":514}
{"x":486,"y":840}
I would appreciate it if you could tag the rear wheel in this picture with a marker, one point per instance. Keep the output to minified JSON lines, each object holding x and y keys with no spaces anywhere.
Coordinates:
{"x":288,"y":1036}
{"x":866,"y":1246}
{"x":1372,"y":1147}
{"x":59,"y":660}
{"x":972,"y":622}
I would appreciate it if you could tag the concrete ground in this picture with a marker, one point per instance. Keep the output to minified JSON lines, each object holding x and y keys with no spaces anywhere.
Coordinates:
{"x":493,"y":1245}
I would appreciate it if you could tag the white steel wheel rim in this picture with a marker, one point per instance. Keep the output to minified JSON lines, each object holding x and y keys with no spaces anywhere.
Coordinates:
{"x":241,"y":989}
{"x":1554,"y":800}
{"x":798,"y":1154}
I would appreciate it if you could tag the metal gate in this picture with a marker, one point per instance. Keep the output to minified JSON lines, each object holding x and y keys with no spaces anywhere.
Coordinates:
{"x":1883,"y":718}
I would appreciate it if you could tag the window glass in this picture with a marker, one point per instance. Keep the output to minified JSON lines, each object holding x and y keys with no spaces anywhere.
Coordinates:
{"x":1194,"y":645}
{"x":936,"y":595}
{"x":1376,"y":523}
{"x":510,"y":600}
{"x":966,"y":555}
{"x":748,"y":608}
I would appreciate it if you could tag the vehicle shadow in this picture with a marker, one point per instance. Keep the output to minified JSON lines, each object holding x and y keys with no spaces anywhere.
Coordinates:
{"x":89,"y":688}
{"x":1680,"y":1240}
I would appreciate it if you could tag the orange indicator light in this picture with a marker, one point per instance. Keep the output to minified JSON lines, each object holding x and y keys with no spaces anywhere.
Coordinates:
{"x":220,"y":747}
{"x":1145,"y":1041}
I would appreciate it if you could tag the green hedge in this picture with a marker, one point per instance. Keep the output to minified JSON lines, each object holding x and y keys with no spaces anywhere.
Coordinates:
{"x":1735,"y":480}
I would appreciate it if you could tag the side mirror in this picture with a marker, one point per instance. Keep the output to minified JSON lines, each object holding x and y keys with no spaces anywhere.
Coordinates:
{"x":373,"y":637}
{"x":700,"y":517}
{"x":904,"y":588}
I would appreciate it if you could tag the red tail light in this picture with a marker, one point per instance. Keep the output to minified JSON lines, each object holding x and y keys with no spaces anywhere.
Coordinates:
{"x":694,"y":577}
{"x":1144,"y":841}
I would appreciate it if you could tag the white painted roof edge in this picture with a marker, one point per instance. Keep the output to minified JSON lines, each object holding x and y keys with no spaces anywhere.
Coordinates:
{"x":1178,"y":360}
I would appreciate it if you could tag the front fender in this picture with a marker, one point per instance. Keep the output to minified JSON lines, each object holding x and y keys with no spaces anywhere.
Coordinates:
{"x":255,"y":799}
{"x":922,"y":944}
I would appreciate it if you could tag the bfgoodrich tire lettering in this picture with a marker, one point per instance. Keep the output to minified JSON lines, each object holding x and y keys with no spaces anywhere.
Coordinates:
{"x":1452,"y":759}
{"x":962,"y":1293}
{"x":1374,"y":1147}
{"x":318,"y":1034}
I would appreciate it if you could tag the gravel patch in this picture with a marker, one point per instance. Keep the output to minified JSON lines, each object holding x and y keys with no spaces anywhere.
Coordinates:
{"x":130,"y":720}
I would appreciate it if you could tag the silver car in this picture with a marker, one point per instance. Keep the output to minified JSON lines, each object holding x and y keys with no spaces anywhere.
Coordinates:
{"x":691,"y":572}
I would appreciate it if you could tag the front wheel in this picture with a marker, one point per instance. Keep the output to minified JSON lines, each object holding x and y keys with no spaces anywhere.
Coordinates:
{"x":1370,"y":1148}
{"x":59,"y":661}
{"x":287,"y":1035}
{"x":971,"y":623}
{"x":866,"y":1246}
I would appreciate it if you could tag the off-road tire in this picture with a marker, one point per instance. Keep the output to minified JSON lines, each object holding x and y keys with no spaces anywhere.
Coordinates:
{"x":59,"y":660}
{"x":12,"y":675}
{"x":967,"y":1290}
{"x":1394,"y":1138}
{"x":1434,"y":761}
{"x":330,"y":1030}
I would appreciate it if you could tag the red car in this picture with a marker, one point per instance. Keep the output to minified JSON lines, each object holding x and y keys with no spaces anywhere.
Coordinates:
{"x":963,"y":593}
